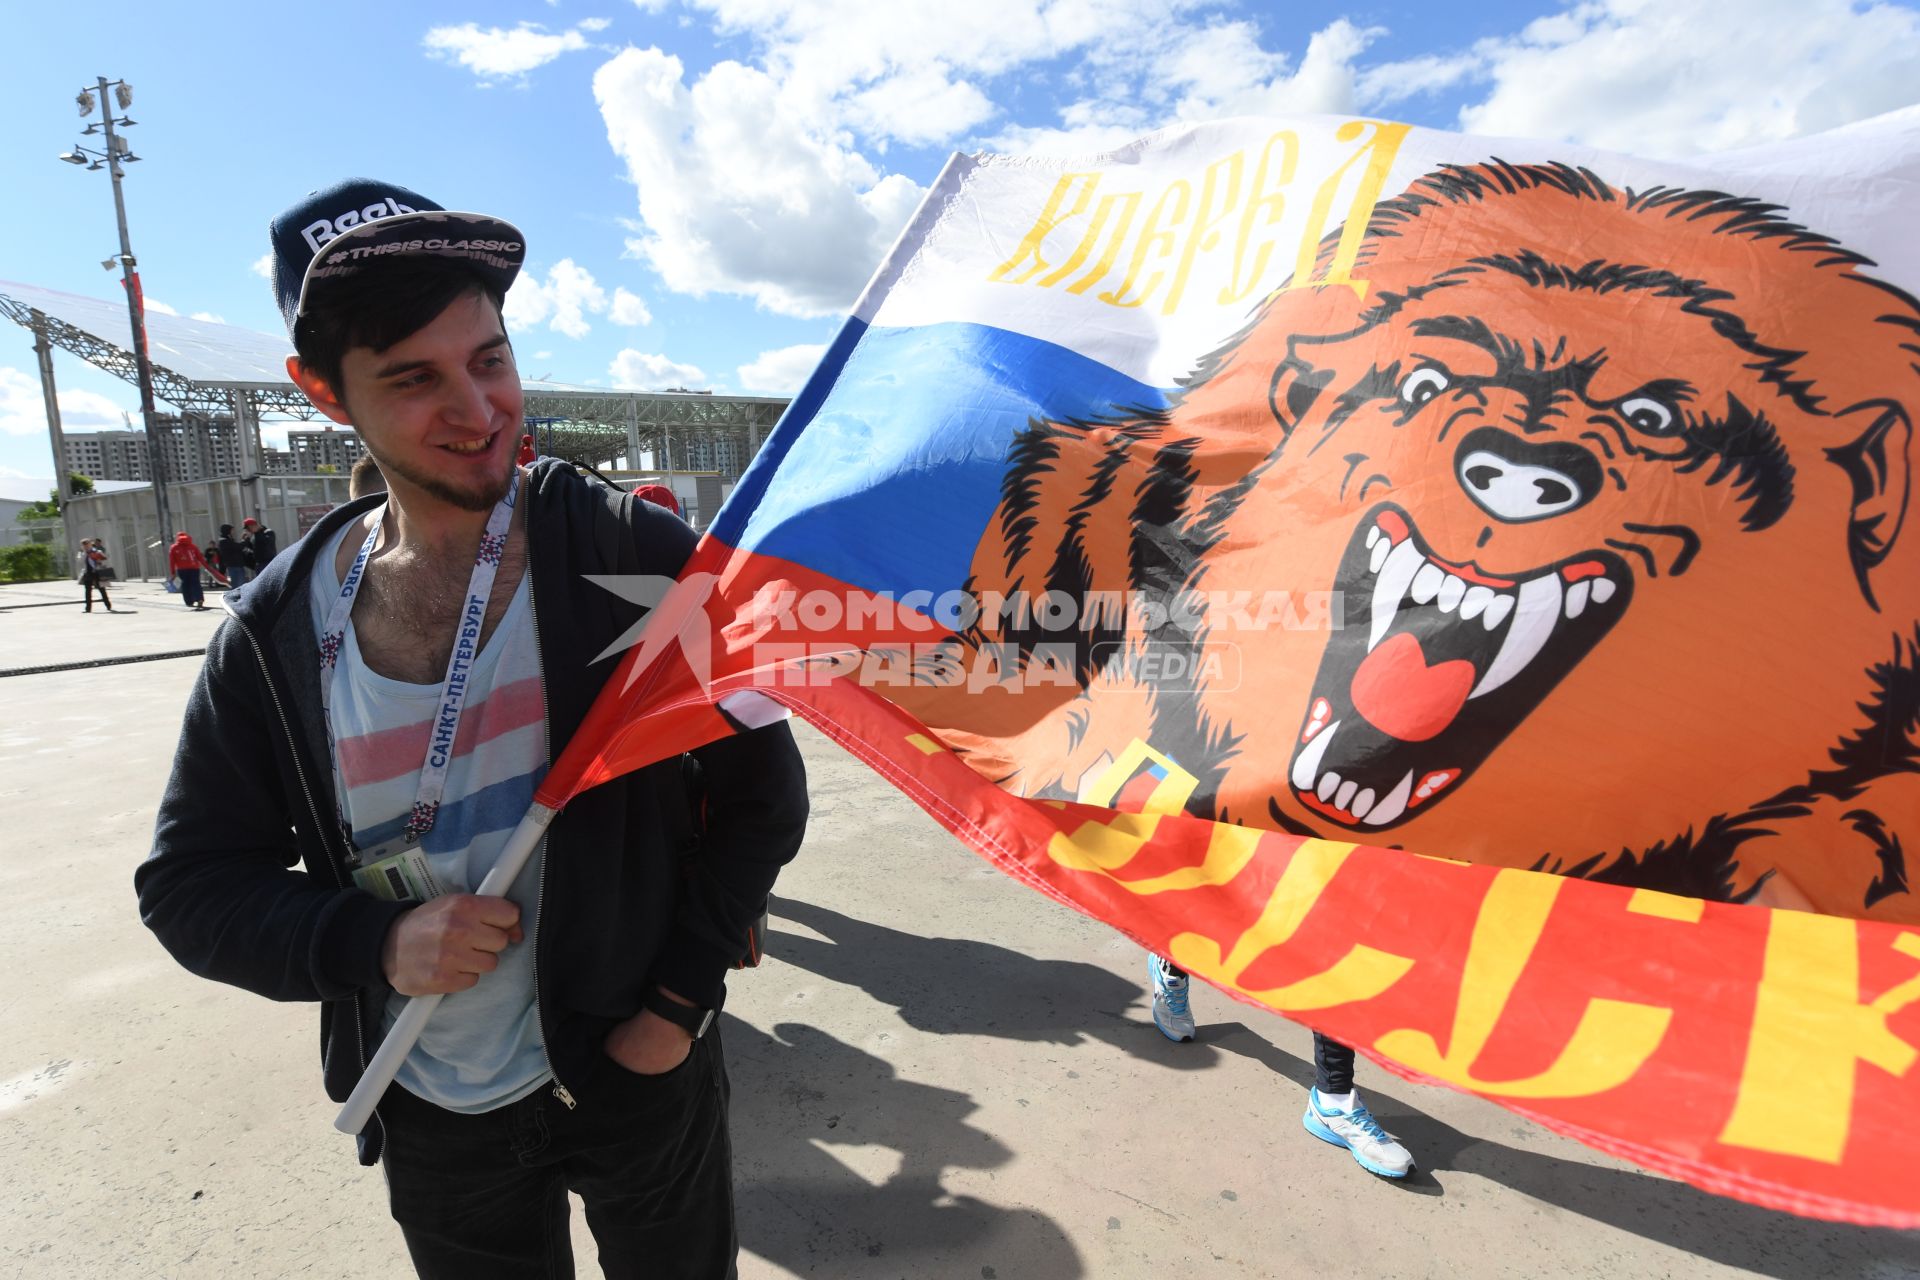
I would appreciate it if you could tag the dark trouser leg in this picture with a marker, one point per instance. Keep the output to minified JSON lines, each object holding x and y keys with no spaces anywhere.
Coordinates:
{"x":87,"y":585}
{"x":477,"y":1197}
{"x":1332,"y":1065}
{"x":190,"y":592}
{"x":654,"y":1165}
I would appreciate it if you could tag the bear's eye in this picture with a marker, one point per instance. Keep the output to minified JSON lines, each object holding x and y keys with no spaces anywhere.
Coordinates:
{"x":1648,"y":415}
{"x":1423,"y":384}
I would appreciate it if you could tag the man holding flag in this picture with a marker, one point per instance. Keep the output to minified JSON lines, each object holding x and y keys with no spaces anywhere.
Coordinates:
{"x":381,"y":706}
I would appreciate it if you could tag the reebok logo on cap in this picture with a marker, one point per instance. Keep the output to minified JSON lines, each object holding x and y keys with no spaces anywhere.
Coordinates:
{"x":356,"y":225}
{"x":322,"y":230}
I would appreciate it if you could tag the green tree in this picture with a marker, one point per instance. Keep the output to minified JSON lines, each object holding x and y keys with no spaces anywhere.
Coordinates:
{"x":30,"y":563}
{"x":77,"y":485}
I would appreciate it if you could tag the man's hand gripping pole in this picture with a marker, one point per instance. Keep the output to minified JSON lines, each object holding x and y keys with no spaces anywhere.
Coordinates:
{"x":413,"y":1019}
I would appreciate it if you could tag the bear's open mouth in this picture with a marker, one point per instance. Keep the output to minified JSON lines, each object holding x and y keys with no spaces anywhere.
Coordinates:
{"x":1436,"y":664}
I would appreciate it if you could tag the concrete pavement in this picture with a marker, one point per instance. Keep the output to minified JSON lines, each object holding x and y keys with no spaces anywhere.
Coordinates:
{"x":937,"y":1072}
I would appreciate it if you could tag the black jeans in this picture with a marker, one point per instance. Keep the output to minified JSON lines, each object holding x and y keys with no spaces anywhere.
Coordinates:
{"x":485,"y":1196}
{"x":1332,"y":1065}
{"x":91,"y":583}
{"x":190,"y":593}
{"x":1332,"y":1061}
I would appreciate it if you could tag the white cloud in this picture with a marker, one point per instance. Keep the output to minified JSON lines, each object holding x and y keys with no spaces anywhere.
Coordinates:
{"x":497,"y":53}
{"x":638,"y":371}
{"x":737,"y":194}
{"x":919,"y":107}
{"x":628,"y":308}
{"x":916,"y":71}
{"x":23,"y":408}
{"x":262,"y":266}
{"x":782,"y":370}
{"x":1194,"y":72}
{"x":210,"y":317}
{"x":1223,"y":70}
{"x":151,"y":303}
{"x":564,"y":300}
{"x":1687,"y":76}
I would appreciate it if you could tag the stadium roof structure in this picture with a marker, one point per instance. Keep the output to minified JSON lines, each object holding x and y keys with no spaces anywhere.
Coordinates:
{"x":200,"y":366}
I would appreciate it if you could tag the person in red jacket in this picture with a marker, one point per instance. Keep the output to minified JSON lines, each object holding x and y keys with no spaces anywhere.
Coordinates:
{"x":185,"y":562}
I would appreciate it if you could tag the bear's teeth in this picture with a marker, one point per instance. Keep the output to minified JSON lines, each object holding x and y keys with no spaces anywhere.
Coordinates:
{"x":1391,"y":587}
{"x":1306,"y":765}
{"x":1390,"y":809}
{"x":1533,"y":619}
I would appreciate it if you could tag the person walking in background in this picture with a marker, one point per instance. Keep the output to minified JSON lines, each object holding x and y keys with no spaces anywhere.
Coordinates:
{"x":233,"y":558}
{"x":185,"y":562}
{"x":94,"y":572}
{"x":264,"y":542}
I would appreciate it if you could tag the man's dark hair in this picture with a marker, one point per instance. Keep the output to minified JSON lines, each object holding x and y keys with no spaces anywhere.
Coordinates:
{"x":379,"y":308}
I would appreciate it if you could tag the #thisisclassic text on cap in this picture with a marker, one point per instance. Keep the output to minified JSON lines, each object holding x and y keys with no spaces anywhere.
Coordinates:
{"x":359,"y":223}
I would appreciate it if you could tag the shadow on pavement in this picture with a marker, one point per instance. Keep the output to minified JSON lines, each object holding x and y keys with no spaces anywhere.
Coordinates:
{"x":948,"y":986}
{"x":956,"y":986}
{"x":798,"y":1093}
{"x":1645,"y":1204}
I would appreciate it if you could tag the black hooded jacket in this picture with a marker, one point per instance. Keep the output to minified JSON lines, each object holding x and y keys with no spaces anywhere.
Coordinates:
{"x":247,"y":882}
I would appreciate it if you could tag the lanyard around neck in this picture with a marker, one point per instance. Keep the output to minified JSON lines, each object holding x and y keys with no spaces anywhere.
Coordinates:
{"x":453,"y":688}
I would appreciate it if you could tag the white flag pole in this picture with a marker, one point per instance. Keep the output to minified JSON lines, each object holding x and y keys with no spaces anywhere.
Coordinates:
{"x":413,"y":1019}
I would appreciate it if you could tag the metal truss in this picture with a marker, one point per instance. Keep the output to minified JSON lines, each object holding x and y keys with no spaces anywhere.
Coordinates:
{"x":677,"y":428}
{"x":656,"y":408}
{"x":181,"y":392}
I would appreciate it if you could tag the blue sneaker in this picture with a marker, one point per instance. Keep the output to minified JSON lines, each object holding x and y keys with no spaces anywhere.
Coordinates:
{"x":1372,"y":1147}
{"x":1170,"y":1010}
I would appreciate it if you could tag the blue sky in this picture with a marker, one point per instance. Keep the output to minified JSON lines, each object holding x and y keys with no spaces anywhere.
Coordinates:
{"x":705,"y":184}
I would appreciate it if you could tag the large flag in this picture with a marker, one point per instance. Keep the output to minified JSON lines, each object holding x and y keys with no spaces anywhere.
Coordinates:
{"x":1460,"y":593}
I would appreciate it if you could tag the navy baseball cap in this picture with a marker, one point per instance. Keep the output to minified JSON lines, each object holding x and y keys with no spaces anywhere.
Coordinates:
{"x":359,"y":223}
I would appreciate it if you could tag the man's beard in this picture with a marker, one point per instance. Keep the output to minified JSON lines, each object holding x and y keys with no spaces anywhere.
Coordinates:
{"x":435,"y":487}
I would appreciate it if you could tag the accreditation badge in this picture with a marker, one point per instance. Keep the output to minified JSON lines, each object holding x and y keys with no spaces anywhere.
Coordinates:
{"x":398,"y":872}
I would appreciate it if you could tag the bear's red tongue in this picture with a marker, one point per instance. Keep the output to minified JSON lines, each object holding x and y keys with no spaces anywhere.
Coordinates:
{"x":1400,"y":694}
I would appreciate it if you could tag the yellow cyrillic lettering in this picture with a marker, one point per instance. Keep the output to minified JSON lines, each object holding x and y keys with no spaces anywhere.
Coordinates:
{"x":1361,"y":974}
{"x":1809,"y":1032}
{"x":1178,"y":196}
{"x":1612,"y":1040}
{"x":1104,"y":847}
{"x":1379,"y":151}
{"x":1126,"y":202}
{"x":1215,"y":208}
{"x":1274,"y":204}
{"x":1050,"y":218}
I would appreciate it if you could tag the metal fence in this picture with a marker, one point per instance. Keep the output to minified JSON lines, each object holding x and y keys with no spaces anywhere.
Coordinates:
{"x":125,"y":520}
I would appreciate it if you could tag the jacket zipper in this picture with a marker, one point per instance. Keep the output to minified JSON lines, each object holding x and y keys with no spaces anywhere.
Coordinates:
{"x":319,"y":826}
{"x":560,"y":1090}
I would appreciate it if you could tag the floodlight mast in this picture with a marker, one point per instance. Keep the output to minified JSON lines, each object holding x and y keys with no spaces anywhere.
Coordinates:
{"x":116,"y":154}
